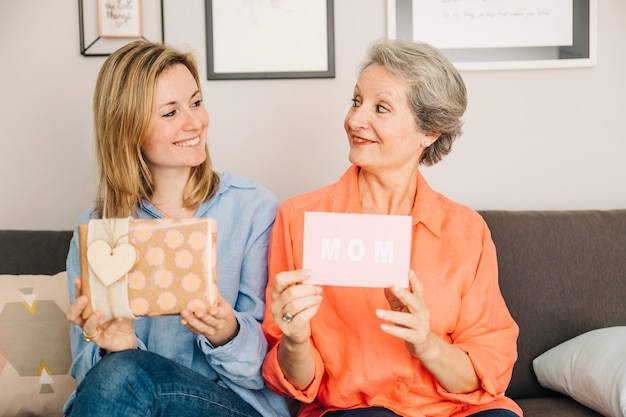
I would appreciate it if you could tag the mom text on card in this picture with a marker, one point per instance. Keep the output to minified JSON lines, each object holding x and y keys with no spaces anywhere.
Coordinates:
{"x":357,"y":250}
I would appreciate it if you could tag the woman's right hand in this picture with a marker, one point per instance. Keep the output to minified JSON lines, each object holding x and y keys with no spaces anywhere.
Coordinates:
{"x":294,"y":304}
{"x":113,"y":336}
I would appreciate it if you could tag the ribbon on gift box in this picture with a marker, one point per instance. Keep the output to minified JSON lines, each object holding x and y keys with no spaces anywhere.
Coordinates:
{"x":110,"y":257}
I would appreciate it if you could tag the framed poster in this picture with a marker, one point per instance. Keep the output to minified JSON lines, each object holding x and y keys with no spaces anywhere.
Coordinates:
{"x":107,"y":25}
{"x":502,"y":34}
{"x":270,"y":39}
{"x":119,"y":18}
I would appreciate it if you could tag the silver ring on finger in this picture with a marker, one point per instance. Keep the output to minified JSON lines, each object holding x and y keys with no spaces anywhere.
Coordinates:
{"x":287,"y":317}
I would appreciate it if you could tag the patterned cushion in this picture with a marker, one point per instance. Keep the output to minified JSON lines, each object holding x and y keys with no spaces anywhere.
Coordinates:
{"x":35,"y":354}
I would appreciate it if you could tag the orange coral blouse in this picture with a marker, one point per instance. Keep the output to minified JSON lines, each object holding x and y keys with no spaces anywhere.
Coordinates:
{"x":356,"y":364}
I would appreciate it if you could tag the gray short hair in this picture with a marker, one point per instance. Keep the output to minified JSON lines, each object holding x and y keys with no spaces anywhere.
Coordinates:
{"x":437,"y":92}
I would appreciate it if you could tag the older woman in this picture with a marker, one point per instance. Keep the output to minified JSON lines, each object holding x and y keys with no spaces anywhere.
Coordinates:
{"x":446,"y":345}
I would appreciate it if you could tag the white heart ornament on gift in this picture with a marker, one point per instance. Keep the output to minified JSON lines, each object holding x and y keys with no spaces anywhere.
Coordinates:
{"x":110,"y":264}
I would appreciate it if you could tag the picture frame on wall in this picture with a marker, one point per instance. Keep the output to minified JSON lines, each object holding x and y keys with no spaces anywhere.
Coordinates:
{"x":507,"y":34}
{"x":119,"y":19}
{"x":107,"y":25}
{"x":261,"y":39}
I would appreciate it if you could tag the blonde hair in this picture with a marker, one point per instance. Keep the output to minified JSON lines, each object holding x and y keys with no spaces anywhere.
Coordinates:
{"x":124,"y":104}
{"x":437,"y":93}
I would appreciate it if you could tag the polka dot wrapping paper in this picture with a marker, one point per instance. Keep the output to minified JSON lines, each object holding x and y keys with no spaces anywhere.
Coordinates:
{"x":148,"y":267}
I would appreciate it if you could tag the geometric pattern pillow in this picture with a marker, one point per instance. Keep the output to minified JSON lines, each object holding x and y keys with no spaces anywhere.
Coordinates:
{"x":35,"y":356}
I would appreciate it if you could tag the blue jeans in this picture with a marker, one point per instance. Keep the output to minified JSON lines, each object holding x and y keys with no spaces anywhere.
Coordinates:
{"x":362,"y":412}
{"x":496,"y":412}
{"x":143,"y":384}
{"x":383,"y":412}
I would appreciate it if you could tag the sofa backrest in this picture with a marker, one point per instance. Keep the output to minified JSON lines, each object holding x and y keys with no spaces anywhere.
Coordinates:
{"x":562,"y":273}
{"x":33,"y":251}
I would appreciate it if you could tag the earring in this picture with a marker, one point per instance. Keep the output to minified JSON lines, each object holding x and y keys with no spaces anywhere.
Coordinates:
{"x":426,"y":143}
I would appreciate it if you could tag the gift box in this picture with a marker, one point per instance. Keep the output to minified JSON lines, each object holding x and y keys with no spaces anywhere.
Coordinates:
{"x":148,"y":267}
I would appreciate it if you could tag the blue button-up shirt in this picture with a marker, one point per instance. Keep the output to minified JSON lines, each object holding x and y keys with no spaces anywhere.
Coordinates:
{"x":244,"y":212}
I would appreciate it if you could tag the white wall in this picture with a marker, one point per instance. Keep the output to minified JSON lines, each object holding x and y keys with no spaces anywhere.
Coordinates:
{"x":534,"y":139}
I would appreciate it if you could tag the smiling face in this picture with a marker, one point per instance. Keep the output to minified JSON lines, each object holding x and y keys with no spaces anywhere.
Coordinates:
{"x":381,"y":126}
{"x":177,"y":134}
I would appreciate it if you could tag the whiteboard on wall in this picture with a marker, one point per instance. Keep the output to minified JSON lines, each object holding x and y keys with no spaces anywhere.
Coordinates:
{"x":501,"y":34}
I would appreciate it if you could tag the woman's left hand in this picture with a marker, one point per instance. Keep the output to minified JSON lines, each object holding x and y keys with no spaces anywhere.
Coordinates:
{"x":218,"y":323}
{"x":411,"y":322}
{"x":409,"y":315}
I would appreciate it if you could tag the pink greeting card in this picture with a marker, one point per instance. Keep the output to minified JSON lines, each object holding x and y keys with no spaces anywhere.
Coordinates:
{"x":357,"y":250}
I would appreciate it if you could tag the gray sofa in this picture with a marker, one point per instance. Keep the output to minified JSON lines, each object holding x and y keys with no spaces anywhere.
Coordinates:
{"x":562,"y":273}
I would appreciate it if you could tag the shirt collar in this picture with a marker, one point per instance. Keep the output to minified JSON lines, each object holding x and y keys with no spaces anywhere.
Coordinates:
{"x":426,"y":207}
{"x":227,"y":180}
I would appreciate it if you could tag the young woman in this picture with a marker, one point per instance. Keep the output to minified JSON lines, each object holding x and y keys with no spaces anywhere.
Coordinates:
{"x":153,"y":162}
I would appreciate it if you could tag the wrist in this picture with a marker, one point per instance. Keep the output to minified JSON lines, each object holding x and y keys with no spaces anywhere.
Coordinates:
{"x":294,"y":348}
{"x":228,"y":333}
{"x":429,"y":351}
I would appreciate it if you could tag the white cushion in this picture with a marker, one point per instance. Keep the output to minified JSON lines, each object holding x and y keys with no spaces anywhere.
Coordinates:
{"x":590,"y":368}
